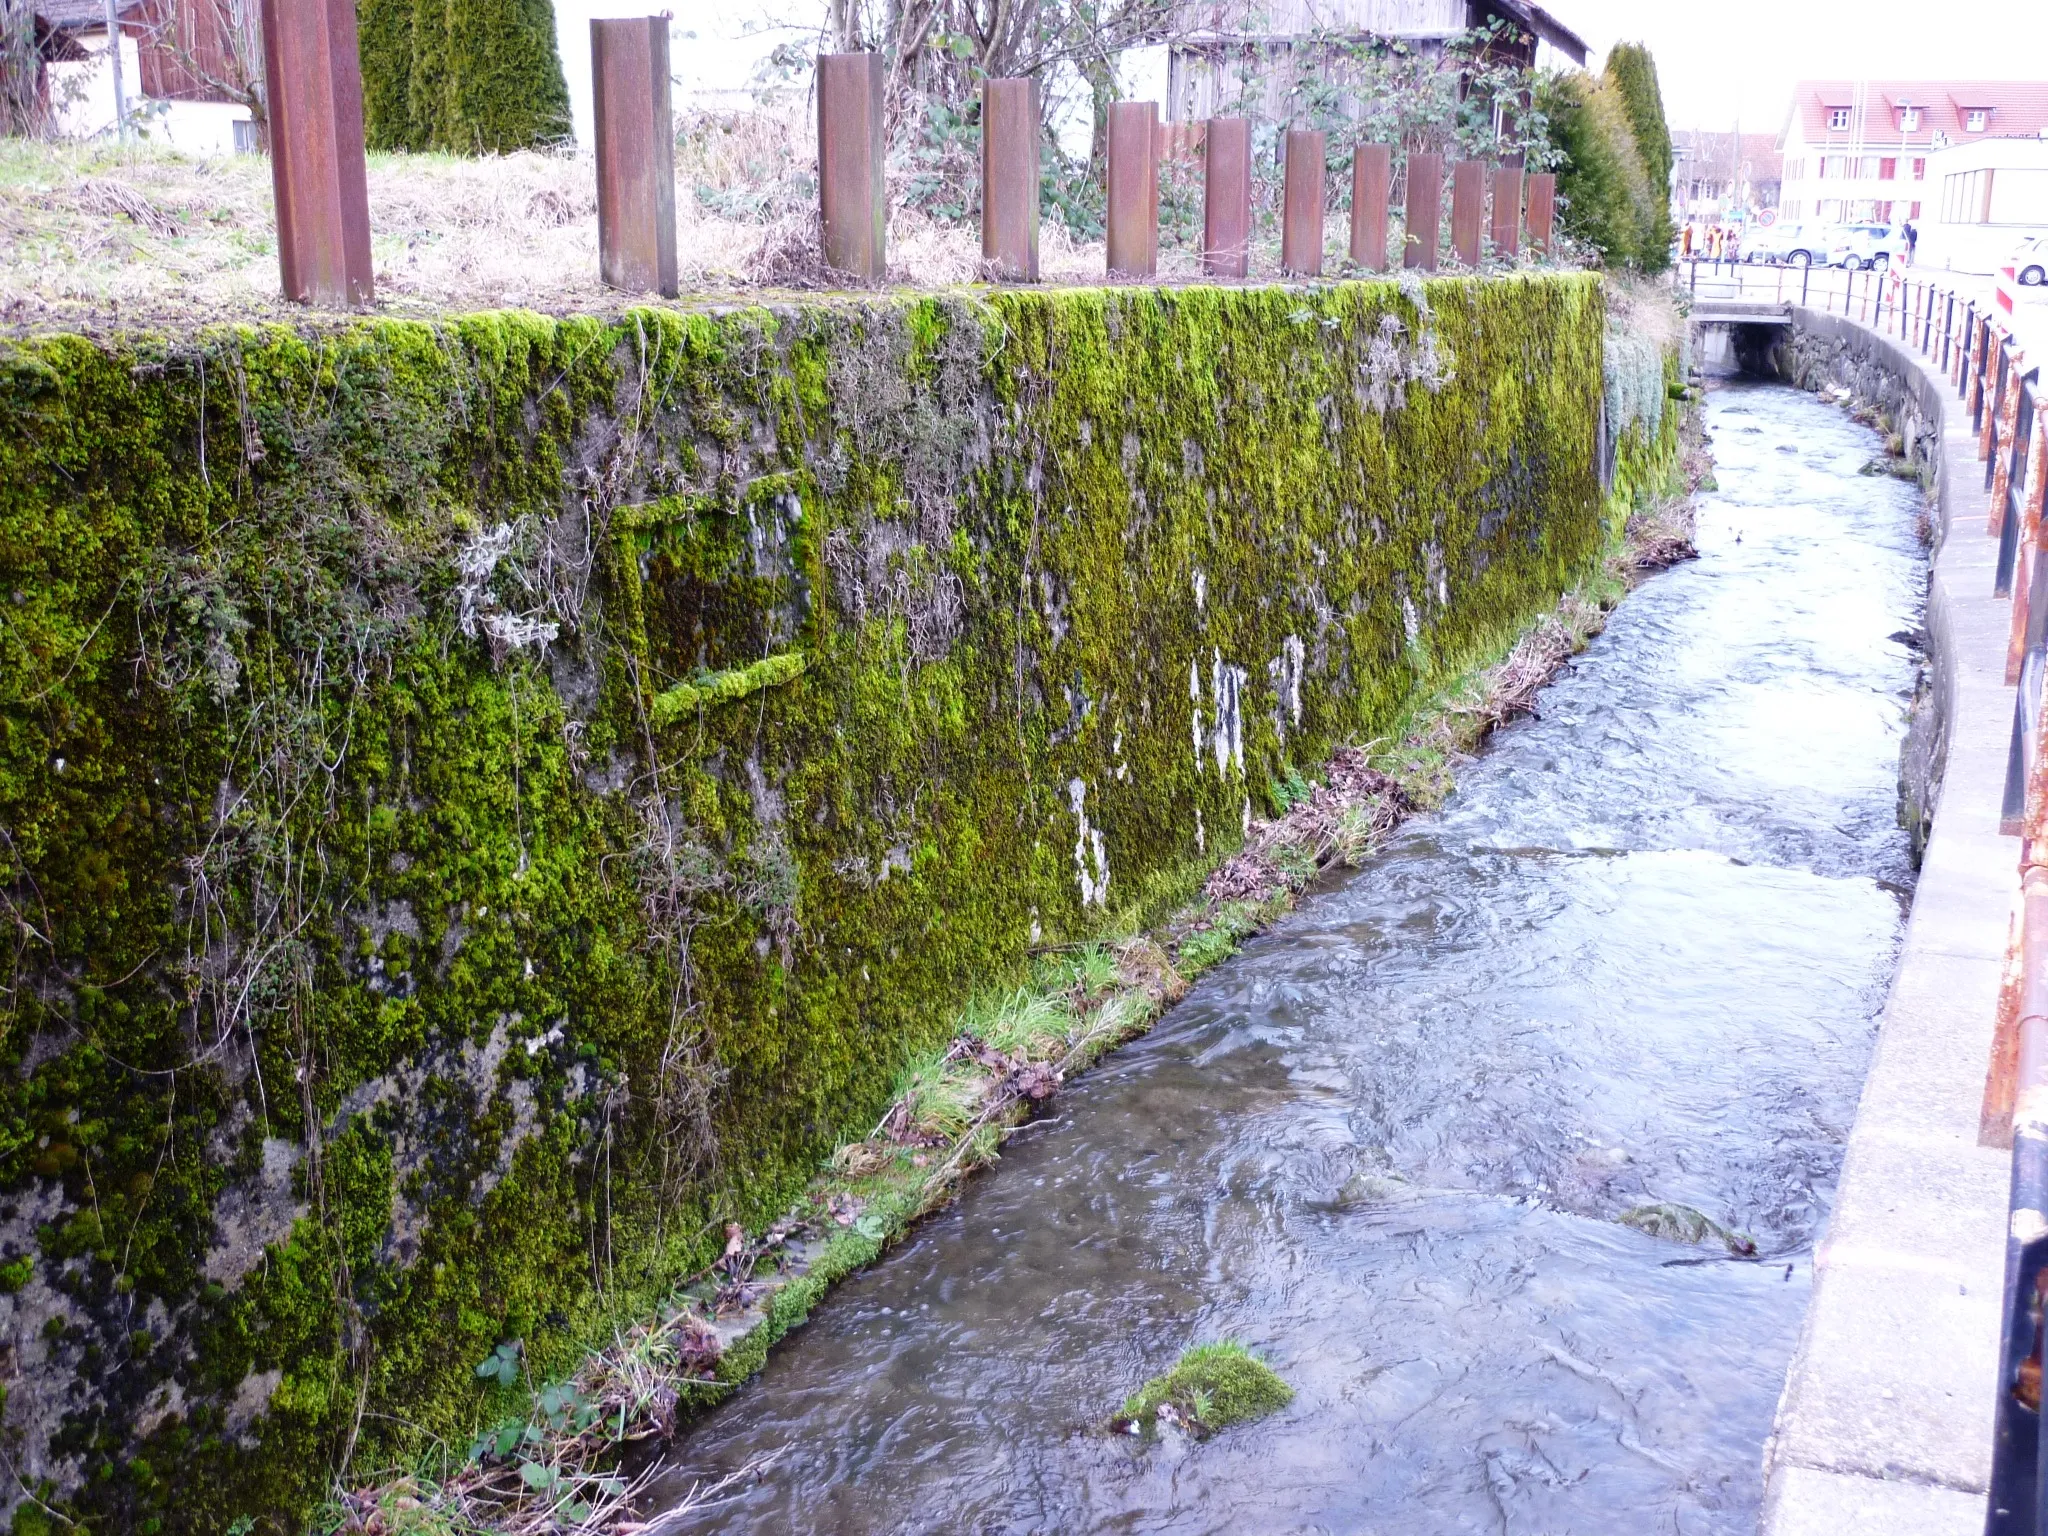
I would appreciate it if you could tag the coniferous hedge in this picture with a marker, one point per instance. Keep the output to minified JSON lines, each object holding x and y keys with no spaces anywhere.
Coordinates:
{"x":1634,"y":73}
{"x":1613,"y":158}
{"x":466,"y":76}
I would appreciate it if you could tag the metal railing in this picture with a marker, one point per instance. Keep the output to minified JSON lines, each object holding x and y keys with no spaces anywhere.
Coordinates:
{"x":1966,"y":339}
{"x":1970,"y":344}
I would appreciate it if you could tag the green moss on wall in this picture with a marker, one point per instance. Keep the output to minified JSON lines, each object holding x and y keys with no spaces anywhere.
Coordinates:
{"x":465,"y":76}
{"x":391,"y":974}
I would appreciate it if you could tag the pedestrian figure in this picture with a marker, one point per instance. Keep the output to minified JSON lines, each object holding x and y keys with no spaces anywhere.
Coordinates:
{"x":1685,"y":243}
{"x":1912,"y":239}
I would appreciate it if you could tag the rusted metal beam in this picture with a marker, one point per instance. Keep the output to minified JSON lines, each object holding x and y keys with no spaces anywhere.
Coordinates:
{"x":1542,"y":216}
{"x":1227,"y":198}
{"x":1422,"y":211}
{"x":1009,"y":178}
{"x":1301,"y":212}
{"x":2015,"y":1484}
{"x":852,"y":206}
{"x":1468,"y":210}
{"x":2027,"y":598}
{"x":1133,"y":188}
{"x":2006,"y":446}
{"x":1372,"y":182}
{"x":1506,"y":228}
{"x":636,"y":165}
{"x":317,"y":165}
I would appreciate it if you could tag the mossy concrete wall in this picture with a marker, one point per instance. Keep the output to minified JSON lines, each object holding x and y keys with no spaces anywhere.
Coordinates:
{"x":483,"y":805}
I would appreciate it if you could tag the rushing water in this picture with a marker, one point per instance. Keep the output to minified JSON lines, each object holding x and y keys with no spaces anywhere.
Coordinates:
{"x":1638,"y":957}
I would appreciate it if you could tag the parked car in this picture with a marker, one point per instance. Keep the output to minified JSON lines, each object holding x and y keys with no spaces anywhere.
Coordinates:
{"x":2030,"y":261}
{"x":1796,"y":244}
{"x":1859,"y":246}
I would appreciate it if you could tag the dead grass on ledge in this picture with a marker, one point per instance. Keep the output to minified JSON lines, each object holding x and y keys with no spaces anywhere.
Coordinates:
{"x":95,"y":236}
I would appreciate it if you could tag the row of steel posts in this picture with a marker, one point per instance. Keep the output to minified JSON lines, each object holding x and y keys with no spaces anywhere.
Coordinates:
{"x":319,"y":172}
{"x":853,"y":199}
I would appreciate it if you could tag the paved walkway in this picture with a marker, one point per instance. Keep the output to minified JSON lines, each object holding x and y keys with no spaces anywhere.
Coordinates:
{"x":1885,"y":1424}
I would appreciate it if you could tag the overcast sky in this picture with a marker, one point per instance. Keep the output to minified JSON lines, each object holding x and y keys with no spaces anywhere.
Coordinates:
{"x":1723,"y":59}
{"x":1719,"y":60}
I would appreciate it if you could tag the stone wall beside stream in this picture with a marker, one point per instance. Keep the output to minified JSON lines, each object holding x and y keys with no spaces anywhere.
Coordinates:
{"x":483,"y":804}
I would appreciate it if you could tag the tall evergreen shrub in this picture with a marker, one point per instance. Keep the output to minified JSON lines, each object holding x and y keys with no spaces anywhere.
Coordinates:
{"x":1603,"y":190}
{"x":1633,"y":72}
{"x":466,"y":76}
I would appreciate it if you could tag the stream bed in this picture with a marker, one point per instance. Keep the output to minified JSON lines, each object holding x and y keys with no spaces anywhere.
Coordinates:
{"x":1638,"y":958}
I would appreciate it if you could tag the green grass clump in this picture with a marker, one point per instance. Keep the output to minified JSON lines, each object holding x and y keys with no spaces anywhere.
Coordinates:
{"x":1210,"y":1387}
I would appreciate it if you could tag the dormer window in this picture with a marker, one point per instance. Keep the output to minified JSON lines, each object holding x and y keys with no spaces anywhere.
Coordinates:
{"x":1976,"y":120}
{"x":1909,"y":119}
{"x":1838,"y":119}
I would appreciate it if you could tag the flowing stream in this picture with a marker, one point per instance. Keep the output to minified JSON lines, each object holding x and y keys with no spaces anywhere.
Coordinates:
{"x":1638,"y":958}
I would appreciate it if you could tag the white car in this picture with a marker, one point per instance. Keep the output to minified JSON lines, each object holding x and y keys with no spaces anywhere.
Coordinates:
{"x":1859,"y":246}
{"x":2030,"y":261}
{"x":1796,"y":244}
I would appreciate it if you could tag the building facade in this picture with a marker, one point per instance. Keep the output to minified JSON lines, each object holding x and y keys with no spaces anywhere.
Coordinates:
{"x":1719,"y":176}
{"x":191,"y":71}
{"x":1858,"y":151}
{"x":1243,"y":55}
{"x":1985,"y":198}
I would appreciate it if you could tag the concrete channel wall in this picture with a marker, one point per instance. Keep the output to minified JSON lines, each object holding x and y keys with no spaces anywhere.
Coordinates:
{"x":1885,"y":1425}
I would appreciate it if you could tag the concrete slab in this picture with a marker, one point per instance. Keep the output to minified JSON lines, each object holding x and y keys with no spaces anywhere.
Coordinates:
{"x":1805,"y":1502}
{"x":1886,"y":1420}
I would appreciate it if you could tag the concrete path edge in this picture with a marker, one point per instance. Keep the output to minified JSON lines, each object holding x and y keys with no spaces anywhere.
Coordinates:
{"x":1885,"y":1424}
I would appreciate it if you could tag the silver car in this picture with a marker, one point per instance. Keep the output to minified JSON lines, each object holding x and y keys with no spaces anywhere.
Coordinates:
{"x":1794,"y":244}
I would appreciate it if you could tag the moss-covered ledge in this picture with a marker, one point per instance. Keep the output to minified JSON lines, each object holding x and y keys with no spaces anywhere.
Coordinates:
{"x":484,"y":805}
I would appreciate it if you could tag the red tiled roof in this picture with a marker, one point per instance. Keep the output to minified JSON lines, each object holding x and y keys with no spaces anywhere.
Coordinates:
{"x":2017,"y":109}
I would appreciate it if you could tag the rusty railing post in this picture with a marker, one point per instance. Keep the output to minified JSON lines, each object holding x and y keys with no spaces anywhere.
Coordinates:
{"x":1133,"y":188}
{"x":317,"y":165}
{"x":1227,"y":198}
{"x":1372,"y":180}
{"x":1542,"y":214}
{"x":1422,"y":211}
{"x":636,"y":149}
{"x":1506,"y":231}
{"x":1468,"y":210}
{"x":1009,"y":178}
{"x":1301,"y":212}
{"x":852,"y":207}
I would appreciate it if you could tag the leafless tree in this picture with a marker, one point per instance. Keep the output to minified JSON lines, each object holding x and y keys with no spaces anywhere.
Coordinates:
{"x":214,"y":49}
{"x":24,"y":97}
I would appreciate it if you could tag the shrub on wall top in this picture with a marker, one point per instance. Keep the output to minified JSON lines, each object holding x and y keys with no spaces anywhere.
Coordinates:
{"x":466,"y":76}
{"x":1633,"y":73}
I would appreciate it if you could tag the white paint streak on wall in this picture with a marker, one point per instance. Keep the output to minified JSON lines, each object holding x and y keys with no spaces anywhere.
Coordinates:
{"x":1091,"y":857}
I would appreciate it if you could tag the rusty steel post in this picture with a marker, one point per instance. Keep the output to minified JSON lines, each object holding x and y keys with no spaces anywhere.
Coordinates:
{"x":1133,"y":188}
{"x":1422,"y":211}
{"x":1227,"y":198}
{"x":1009,"y":178}
{"x":1372,"y":180}
{"x":1301,"y":210}
{"x":852,"y":209}
{"x":2025,"y":621}
{"x":317,"y":166}
{"x":1468,"y":210}
{"x":1542,"y":213}
{"x":636,"y":155}
{"x":1506,"y":230}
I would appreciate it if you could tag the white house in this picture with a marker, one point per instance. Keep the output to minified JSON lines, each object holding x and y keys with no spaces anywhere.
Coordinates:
{"x":1859,"y":150}
{"x":185,"y":66}
{"x":1985,"y":197}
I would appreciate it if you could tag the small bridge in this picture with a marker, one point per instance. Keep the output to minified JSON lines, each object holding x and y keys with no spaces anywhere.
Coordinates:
{"x":1740,"y":311}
